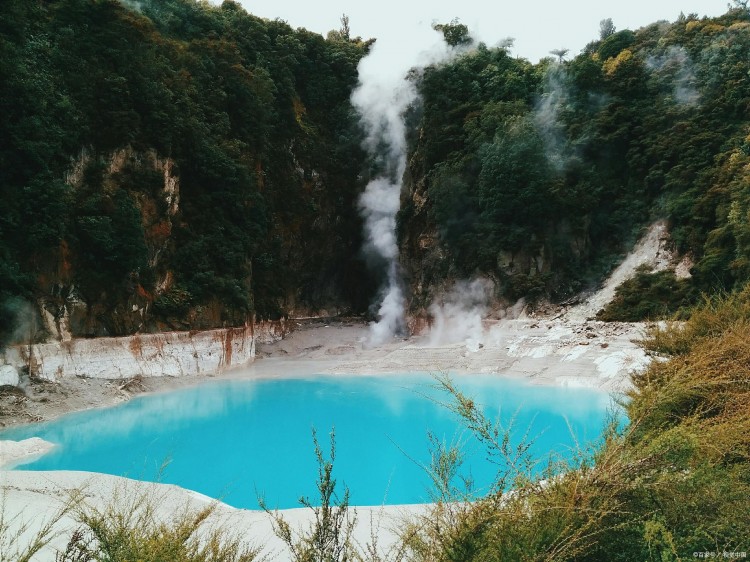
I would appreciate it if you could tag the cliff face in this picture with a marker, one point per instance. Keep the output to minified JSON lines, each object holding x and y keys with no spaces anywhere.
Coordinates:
{"x":190,"y":166}
{"x":73,"y":305}
{"x":170,"y":354}
{"x":76,"y":300}
{"x":430,"y":265}
{"x":159,"y":176}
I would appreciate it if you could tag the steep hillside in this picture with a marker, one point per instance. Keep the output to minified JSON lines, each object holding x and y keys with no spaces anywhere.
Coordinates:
{"x":175,"y":166}
{"x":179,"y":165}
{"x":539,"y":176}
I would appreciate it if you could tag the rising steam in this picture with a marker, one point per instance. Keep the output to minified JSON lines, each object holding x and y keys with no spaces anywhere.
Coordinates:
{"x":547,"y":115}
{"x":676,"y":66}
{"x":17,"y":322}
{"x":384,"y":94}
{"x":134,"y":5}
{"x":457,"y":317}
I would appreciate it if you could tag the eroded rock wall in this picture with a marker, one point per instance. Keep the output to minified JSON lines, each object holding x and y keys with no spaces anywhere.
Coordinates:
{"x":170,"y":354}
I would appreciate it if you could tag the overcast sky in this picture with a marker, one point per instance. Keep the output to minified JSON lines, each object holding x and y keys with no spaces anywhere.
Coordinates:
{"x":537,"y":27}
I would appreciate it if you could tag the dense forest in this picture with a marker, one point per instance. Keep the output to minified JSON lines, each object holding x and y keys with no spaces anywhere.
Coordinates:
{"x":540,"y":175}
{"x":175,"y":164}
{"x":178,"y":165}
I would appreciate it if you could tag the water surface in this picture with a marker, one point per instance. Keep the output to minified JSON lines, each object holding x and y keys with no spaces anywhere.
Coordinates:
{"x":234,"y":440}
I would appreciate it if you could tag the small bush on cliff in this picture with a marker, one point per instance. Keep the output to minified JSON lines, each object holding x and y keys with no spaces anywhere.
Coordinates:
{"x":175,"y":302}
{"x":649,"y":296}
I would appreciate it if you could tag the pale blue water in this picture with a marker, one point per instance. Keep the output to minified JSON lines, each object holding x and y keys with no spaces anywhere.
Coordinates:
{"x":232,"y":440}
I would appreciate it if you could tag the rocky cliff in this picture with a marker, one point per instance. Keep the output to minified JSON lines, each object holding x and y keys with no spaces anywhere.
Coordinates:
{"x":74,"y":304}
{"x":171,"y":354}
{"x":163,"y":178}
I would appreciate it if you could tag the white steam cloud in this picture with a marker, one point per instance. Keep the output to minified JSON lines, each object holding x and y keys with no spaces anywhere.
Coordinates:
{"x":547,"y":115}
{"x":458,"y":316}
{"x":675,"y":64}
{"x":134,"y":5}
{"x":384,"y":94}
{"x":379,"y":205}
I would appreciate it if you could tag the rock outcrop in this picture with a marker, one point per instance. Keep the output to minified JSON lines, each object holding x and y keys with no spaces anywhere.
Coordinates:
{"x":14,"y":452}
{"x":147,"y":355}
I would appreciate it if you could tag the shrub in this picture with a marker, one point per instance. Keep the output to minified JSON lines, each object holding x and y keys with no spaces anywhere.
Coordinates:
{"x":129,"y":528}
{"x":329,"y":538}
{"x":673,"y":483}
{"x":649,"y":296}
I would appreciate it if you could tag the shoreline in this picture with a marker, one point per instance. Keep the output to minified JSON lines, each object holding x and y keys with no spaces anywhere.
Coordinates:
{"x":35,"y":497}
{"x":565,"y":349}
{"x":541,"y":351}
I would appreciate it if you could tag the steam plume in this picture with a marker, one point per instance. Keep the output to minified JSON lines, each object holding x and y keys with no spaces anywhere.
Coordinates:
{"x":458,"y":318}
{"x":134,"y":5}
{"x":384,"y":94}
{"x":547,"y":116}
{"x":562,"y":150}
{"x":18,"y":319}
{"x":676,"y":65}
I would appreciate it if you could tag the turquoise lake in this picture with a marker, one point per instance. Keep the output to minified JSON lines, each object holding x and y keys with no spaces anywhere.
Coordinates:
{"x":234,"y":440}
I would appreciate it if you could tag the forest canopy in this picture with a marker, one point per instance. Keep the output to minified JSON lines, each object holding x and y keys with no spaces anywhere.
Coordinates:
{"x":251,"y":116}
{"x":539,"y":176}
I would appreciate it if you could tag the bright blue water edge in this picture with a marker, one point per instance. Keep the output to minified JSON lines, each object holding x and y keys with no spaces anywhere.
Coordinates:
{"x":233,"y":440}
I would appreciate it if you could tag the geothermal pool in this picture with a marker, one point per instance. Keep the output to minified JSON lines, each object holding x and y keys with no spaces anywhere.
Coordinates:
{"x":235,"y":440}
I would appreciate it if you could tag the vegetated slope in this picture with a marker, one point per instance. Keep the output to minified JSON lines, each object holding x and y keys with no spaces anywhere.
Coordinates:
{"x":175,"y":165}
{"x":675,"y":483}
{"x":538,"y":176}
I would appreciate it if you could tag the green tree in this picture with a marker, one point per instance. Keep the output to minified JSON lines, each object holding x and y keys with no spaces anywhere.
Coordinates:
{"x":456,"y":34}
{"x":514,"y":189}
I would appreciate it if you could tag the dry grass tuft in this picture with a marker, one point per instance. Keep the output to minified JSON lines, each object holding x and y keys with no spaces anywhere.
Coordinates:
{"x":130,"y":528}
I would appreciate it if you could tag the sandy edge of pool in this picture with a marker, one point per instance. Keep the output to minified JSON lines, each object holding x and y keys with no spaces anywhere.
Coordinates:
{"x":33,"y":499}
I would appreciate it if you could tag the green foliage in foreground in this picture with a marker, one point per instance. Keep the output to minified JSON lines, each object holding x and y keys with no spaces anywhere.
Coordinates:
{"x":17,"y":542}
{"x":329,"y":536}
{"x":130,"y":529}
{"x":675,"y":483}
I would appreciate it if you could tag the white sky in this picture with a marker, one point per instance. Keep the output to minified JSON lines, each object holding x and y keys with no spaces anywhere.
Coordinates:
{"x":537,"y":27}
